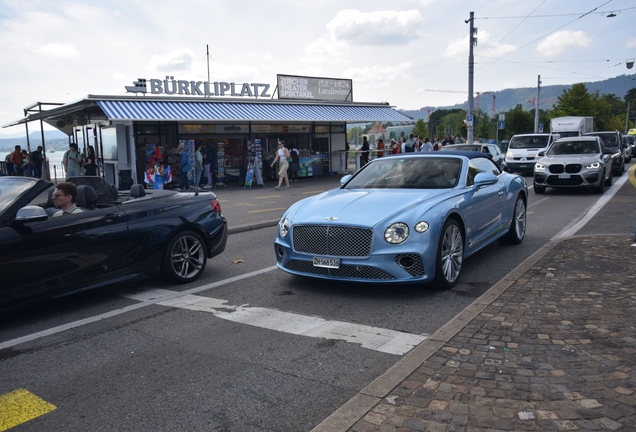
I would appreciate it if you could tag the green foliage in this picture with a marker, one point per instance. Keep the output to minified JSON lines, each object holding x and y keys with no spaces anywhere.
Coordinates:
{"x":518,"y":121}
{"x":354,"y":135}
{"x":420,"y":128}
{"x":574,"y":102}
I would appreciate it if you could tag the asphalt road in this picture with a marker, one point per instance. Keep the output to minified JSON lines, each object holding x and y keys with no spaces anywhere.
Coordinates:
{"x":115,"y":359}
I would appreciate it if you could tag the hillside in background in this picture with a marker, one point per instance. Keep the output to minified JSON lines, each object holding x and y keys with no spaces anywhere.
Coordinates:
{"x":507,"y":99}
{"x":53,"y":138}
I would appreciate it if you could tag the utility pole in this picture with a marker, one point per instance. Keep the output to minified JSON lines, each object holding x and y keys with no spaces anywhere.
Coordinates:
{"x":627,"y":118}
{"x":536,"y":110}
{"x":471,"y":72}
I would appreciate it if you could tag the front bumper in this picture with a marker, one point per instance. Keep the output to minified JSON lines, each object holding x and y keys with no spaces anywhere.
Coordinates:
{"x":586,"y":178}
{"x":401,"y":265}
{"x":519,"y":167}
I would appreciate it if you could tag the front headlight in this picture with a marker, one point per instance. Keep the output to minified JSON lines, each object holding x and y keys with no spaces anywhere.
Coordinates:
{"x":593,"y":165}
{"x":509,"y":155}
{"x":421,"y":227}
{"x":283,"y":227}
{"x":396,"y":233}
{"x":539,"y":167}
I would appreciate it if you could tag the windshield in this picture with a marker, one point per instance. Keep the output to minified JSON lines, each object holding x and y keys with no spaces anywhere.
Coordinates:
{"x":573,"y":148}
{"x":608,"y":139}
{"x":568,"y":134}
{"x":11,"y":190}
{"x":408,"y":173}
{"x":524,"y":142}
{"x":468,"y":147}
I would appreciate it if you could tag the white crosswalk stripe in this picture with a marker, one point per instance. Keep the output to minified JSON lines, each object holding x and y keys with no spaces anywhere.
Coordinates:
{"x":374,"y":338}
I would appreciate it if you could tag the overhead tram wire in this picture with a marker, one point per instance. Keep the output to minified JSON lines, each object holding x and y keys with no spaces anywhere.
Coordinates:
{"x":552,"y":16}
{"x":548,"y":34}
{"x":516,"y":27}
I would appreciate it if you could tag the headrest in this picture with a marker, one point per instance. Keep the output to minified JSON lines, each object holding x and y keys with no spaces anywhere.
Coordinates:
{"x":86,"y":196}
{"x":49,"y":201}
{"x":137,"y":191}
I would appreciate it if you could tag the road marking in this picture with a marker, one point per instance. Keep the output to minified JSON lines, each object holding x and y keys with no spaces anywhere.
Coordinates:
{"x":270,"y":196}
{"x":266,"y":210}
{"x":374,"y":338}
{"x":569,"y":231}
{"x":313,"y":192}
{"x":632,"y":175}
{"x":534,"y":203}
{"x":106,"y":315}
{"x":20,"y":406}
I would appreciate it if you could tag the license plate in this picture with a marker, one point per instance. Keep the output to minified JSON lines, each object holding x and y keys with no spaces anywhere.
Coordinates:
{"x":523,"y":166}
{"x":326,"y":262}
{"x":564,"y":176}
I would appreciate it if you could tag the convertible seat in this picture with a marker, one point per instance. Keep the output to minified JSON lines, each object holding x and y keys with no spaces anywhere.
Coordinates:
{"x":86,"y":197}
{"x":137,"y":191}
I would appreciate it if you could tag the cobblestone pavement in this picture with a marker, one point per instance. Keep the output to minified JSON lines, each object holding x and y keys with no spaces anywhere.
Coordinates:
{"x":556,"y":350}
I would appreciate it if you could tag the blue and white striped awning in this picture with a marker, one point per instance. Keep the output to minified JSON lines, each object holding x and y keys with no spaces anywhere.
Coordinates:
{"x":233,"y":111}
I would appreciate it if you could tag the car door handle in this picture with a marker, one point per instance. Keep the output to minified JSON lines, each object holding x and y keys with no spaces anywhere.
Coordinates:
{"x":500,"y":193}
{"x":110,"y":217}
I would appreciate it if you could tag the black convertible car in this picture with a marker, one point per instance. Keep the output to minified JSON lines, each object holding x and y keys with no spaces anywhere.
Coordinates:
{"x":115,"y":238}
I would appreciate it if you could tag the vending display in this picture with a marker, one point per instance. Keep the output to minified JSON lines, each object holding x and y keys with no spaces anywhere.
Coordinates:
{"x":219,"y":169}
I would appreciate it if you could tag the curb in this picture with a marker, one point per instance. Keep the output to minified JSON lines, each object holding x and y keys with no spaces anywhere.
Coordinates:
{"x":358,"y":406}
{"x":252,"y":227}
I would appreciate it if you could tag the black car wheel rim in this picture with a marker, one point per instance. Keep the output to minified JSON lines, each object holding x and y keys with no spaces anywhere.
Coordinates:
{"x":187,"y":256}
{"x":452,"y":253}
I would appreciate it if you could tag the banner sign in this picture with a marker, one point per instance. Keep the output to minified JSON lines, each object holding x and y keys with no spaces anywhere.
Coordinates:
{"x":330,"y":89}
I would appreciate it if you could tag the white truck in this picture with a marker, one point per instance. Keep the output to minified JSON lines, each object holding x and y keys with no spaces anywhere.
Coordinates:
{"x":571,"y":126}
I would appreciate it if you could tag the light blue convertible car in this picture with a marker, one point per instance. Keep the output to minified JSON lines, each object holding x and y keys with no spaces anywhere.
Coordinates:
{"x":404,"y":218}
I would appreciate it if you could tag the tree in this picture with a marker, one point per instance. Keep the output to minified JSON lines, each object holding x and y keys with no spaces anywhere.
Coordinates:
{"x":519,"y":121}
{"x":355,"y":134}
{"x":420,"y":128}
{"x":483,"y":124}
{"x":574,"y":102}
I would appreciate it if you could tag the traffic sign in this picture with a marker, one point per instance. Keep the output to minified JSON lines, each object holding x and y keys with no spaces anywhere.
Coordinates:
{"x":469,"y":120}
{"x":501,"y":124}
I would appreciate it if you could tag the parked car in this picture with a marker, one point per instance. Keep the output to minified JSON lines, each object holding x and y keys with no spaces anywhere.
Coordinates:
{"x":614,"y":141}
{"x":404,"y":218}
{"x":574,"y":162}
{"x":490,"y":150}
{"x":630,"y":147}
{"x":523,"y":151}
{"x":115,"y":237}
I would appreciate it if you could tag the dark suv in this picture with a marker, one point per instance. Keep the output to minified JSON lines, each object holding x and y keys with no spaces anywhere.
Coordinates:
{"x":613,"y":140}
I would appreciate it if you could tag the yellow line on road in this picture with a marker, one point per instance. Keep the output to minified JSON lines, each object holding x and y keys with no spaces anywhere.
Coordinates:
{"x":270,"y":196}
{"x":20,"y":406}
{"x":266,"y":210}
{"x":632,"y":175}
{"x":313,"y":192}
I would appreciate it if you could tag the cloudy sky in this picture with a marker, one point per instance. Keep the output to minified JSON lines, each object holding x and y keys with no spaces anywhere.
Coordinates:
{"x":394,"y":51}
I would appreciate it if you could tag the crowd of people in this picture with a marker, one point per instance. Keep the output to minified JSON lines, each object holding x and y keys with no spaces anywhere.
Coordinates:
{"x":23,"y":163}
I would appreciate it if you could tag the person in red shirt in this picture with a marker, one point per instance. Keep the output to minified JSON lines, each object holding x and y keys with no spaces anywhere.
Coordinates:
{"x":395,"y":147}
{"x":17,"y":160}
{"x":380,"y":147}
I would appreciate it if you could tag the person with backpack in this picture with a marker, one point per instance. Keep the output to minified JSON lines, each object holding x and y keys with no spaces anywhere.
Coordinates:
{"x":72,"y":161}
{"x":294,"y":165}
{"x":438,"y":145}
{"x":410,"y":146}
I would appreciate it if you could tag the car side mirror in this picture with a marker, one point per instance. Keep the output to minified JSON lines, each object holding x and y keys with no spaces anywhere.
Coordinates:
{"x":607,"y":151}
{"x":541,"y":153}
{"x":31,"y":213}
{"x":345,"y":179}
{"x":485,"y":179}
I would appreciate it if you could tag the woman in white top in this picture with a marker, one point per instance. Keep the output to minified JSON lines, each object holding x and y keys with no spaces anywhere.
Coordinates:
{"x":281,"y":156}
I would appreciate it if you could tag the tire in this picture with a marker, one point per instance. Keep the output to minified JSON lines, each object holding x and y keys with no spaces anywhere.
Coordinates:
{"x":538,"y":189}
{"x":184,"y":258}
{"x":450,"y":255}
{"x":517,"y":231}
{"x":610,"y":179}
{"x":600,"y":189}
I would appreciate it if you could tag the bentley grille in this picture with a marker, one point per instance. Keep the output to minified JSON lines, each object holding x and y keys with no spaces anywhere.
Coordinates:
{"x":332,"y":240}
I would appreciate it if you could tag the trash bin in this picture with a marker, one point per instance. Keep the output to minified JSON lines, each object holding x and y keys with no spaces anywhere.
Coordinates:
{"x":125,"y":179}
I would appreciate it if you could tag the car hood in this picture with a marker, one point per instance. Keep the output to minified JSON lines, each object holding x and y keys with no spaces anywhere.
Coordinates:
{"x":570,"y":159}
{"x":365,"y":207}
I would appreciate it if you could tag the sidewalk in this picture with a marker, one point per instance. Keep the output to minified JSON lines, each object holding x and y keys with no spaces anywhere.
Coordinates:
{"x":550,"y":347}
